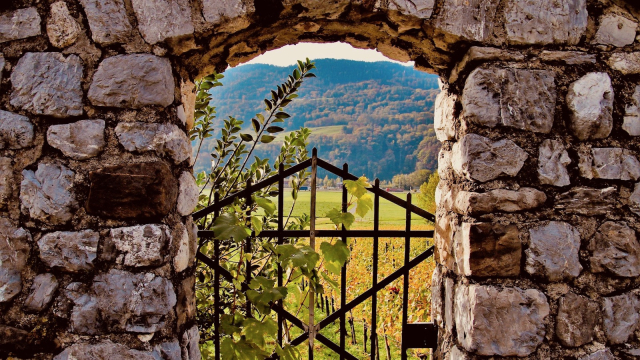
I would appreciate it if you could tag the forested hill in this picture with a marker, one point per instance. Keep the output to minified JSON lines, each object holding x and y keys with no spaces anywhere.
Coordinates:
{"x":378,"y":117}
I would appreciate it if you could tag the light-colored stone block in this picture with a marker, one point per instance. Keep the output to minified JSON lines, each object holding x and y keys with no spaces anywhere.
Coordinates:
{"x":140,"y":245}
{"x":609,"y":163}
{"x":48,"y":194}
{"x":587,"y":201}
{"x":189,"y":193}
{"x":160,"y":20}
{"x":162,"y":138}
{"x":500,"y":200}
{"x":616,"y":30}
{"x":590,"y":100}
{"x":80,"y":140}
{"x":108,"y":21}
{"x":20,"y":24}
{"x":70,"y":251}
{"x":466,"y":20}
{"x":478,"y":158}
{"x":626,"y":63}
{"x":14,"y":253}
{"x":419,"y":8}
{"x":615,"y":249}
{"x":42,"y":291}
{"x":63,"y":30}
{"x":553,"y":252}
{"x":577,"y":320}
{"x":621,"y":317}
{"x":545,"y":21}
{"x":16,"y":131}
{"x":443,"y":117}
{"x":631,"y":122}
{"x":553,"y":159}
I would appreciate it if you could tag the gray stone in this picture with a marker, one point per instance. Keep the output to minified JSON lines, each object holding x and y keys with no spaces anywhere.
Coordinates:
{"x":634,"y":200}
{"x":488,"y":250}
{"x":121,"y":301}
{"x":587,"y":201}
{"x":183,"y":260}
{"x":133,"y":81}
{"x":478,"y":54}
{"x":160,"y":20}
{"x":104,"y":350}
{"x":141,"y":245}
{"x":48,"y":84}
{"x":42,"y":291}
{"x":621,"y":317}
{"x":63,"y":30}
{"x":108,"y":21}
{"x":164,"y":139}
{"x":615,"y":248}
{"x":479,"y":158}
{"x":577,"y":320}
{"x":500,"y":200}
{"x":215,"y":10}
{"x":616,"y":30}
{"x":494,"y":97}
{"x":609,"y":163}
{"x":466,"y":20}
{"x":70,"y":251}
{"x":2,"y":64}
{"x":545,"y":22}
{"x":80,"y":140}
{"x":16,"y":131}
{"x":6,"y":181}
{"x":437,"y":296}
{"x":604,"y":354}
{"x":48,"y":193}
{"x":14,"y":252}
{"x":169,"y":350}
{"x":189,"y":192}
{"x":590,"y":100}
{"x":631,"y":122}
{"x":444,"y":232}
{"x":553,"y":252}
{"x":504,"y":322}
{"x":19,"y":24}
{"x":448,"y":304}
{"x":443,"y":117}
{"x":419,"y":8}
{"x":457,"y":354}
{"x":626,"y":63}
{"x":190,"y":340}
{"x":552,"y":163}
{"x":568,"y":57}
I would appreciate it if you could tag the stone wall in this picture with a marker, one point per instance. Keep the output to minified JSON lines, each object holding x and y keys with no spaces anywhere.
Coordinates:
{"x":536,"y":238}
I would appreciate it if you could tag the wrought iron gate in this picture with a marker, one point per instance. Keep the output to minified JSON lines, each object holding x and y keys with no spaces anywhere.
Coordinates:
{"x":414,"y":335}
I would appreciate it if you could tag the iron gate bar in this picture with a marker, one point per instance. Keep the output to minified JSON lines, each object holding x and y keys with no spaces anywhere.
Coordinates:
{"x":374,"y":280}
{"x":405,"y":278}
{"x":343,"y":271}
{"x":334,"y":233}
{"x":280,"y":242}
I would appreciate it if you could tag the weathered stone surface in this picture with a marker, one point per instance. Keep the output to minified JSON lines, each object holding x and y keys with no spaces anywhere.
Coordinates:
{"x":590,"y":100}
{"x":489,"y":250}
{"x":545,"y":22}
{"x":71,"y":251}
{"x":626,"y":63}
{"x":48,"y":193}
{"x":2,"y":64}
{"x":6,"y":180}
{"x":616,"y":30}
{"x":14,"y":252}
{"x":419,"y":8}
{"x":80,"y":140}
{"x":437,"y":296}
{"x":42,"y":291}
{"x":634,"y":200}
{"x":457,"y":354}
{"x":161,"y":138}
{"x":16,"y":131}
{"x":190,"y":348}
{"x":568,"y":57}
{"x":121,"y":301}
{"x":145,"y":191}
{"x":12,"y":336}
{"x":215,"y":10}
{"x":62,"y":28}
{"x":553,"y":159}
{"x":186,"y":306}
{"x":443,"y":117}
{"x":478,"y":158}
{"x":631,"y":122}
{"x":522,"y":99}
{"x":621,"y":317}
{"x":587,"y":201}
{"x":609,"y":163}
{"x":553,"y":251}
{"x":189,"y":192}
{"x":504,"y":322}
{"x":467,"y":20}
{"x":470,"y":203}
{"x":133,"y":81}
{"x":577,"y":320}
{"x":182,"y":260}
{"x":105,"y":350}
{"x":19,"y":24}
{"x":108,"y":21}
{"x":159,"y":20}
{"x":604,"y":354}
{"x":169,"y":350}
{"x":615,"y":249}
{"x":141,"y":245}
{"x":48,"y":84}
{"x":445,"y":229}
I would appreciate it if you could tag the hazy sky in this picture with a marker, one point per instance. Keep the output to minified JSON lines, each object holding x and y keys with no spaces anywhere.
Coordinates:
{"x":287,"y":55}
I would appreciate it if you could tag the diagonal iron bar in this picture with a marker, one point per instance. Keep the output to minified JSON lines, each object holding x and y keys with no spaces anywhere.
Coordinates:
{"x":333,"y":233}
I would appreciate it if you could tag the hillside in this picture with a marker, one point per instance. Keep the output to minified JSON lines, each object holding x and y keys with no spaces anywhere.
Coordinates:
{"x":378,"y":117}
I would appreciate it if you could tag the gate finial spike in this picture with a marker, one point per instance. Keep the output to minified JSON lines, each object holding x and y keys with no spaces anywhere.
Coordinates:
{"x":377,"y":182}
{"x":314,"y":152}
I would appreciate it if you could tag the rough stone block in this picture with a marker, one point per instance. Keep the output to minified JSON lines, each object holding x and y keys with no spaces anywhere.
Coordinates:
{"x":489,"y":250}
{"x":615,"y":248}
{"x":634,"y":200}
{"x":48,"y":84}
{"x":6,"y":180}
{"x":183,"y":260}
{"x":12,"y":336}
{"x":16,"y":131}
{"x":160,"y":20}
{"x":443,"y":117}
{"x":478,"y":158}
{"x":616,"y":30}
{"x":445,"y":229}
{"x":14,"y":252}
{"x":2,"y":64}
{"x":80,"y":140}
{"x":587,"y":201}
{"x":189,"y":192}
{"x":500,"y":200}
{"x":161,"y":138}
{"x":103,"y":351}
{"x":141,"y":245}
{"x":169,"y":350}
{"x":479,"y":54}
{"x":48,"y":193}
{"x":186,"y":306}
{"x":546,"y":21}
{"x":133,"y":81}
{"x":215,"y":10}
{"x":553,"y":159}
{"x":626,"y":63}
{"x":190,"y":340}
{"x":70,"y":251}
{"x":590,"y":100}
{"x":144,"y":191}
{"x":604,"y":354}
{"x":437,"y":296}
{"x":19,"y":24}
{"x":504,"y":322}
{"x":466,"y":20}
{"x":42,"y":291}
{"x":568,"y":57}
{"x":553,"y":251}
{"x":497,"y":96}
{"x":609,"y":163}
{"x":419,"y":8}
{"x":621,"y":317}
{"x":457,"y":354}
{"x":577,"y":320}
{"x":108,"y":21}
{"x":631,"y":122}
{"x":63,"y":30}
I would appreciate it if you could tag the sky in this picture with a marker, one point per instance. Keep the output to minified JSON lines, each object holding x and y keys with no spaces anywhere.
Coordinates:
{"x":287,"y":55}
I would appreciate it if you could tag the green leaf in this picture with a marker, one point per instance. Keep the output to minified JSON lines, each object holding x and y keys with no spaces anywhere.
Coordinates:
{"x":255,"y":124}
{"x":363,"y":205}
{"x":269,"y":104}
{"x":334,"y":284}
{"x":303,"y":257}
{"x":296,"y":74}
{"x":256,"y":224}
{"x":357,"y":188}
{"x":288,"y":352}
{"x":261,"y":118}
{"x":310,"y":75}
{"x":268,"y":205}
{"x":274,"y":129}
{"x":335,"y":255}
{"x":339,"y":218}
{"x":227,"y":226}
{"x":246,"y":137}
{"x":282,"y":115}
{"x":265,"y":139}
{"x":255,"y":330}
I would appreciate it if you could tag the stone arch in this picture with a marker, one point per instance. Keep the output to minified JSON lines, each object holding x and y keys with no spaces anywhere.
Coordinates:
{"x":536,"y":222}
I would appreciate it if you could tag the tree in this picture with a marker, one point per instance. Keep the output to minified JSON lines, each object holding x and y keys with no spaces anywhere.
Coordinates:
{"x":427,"y":195}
